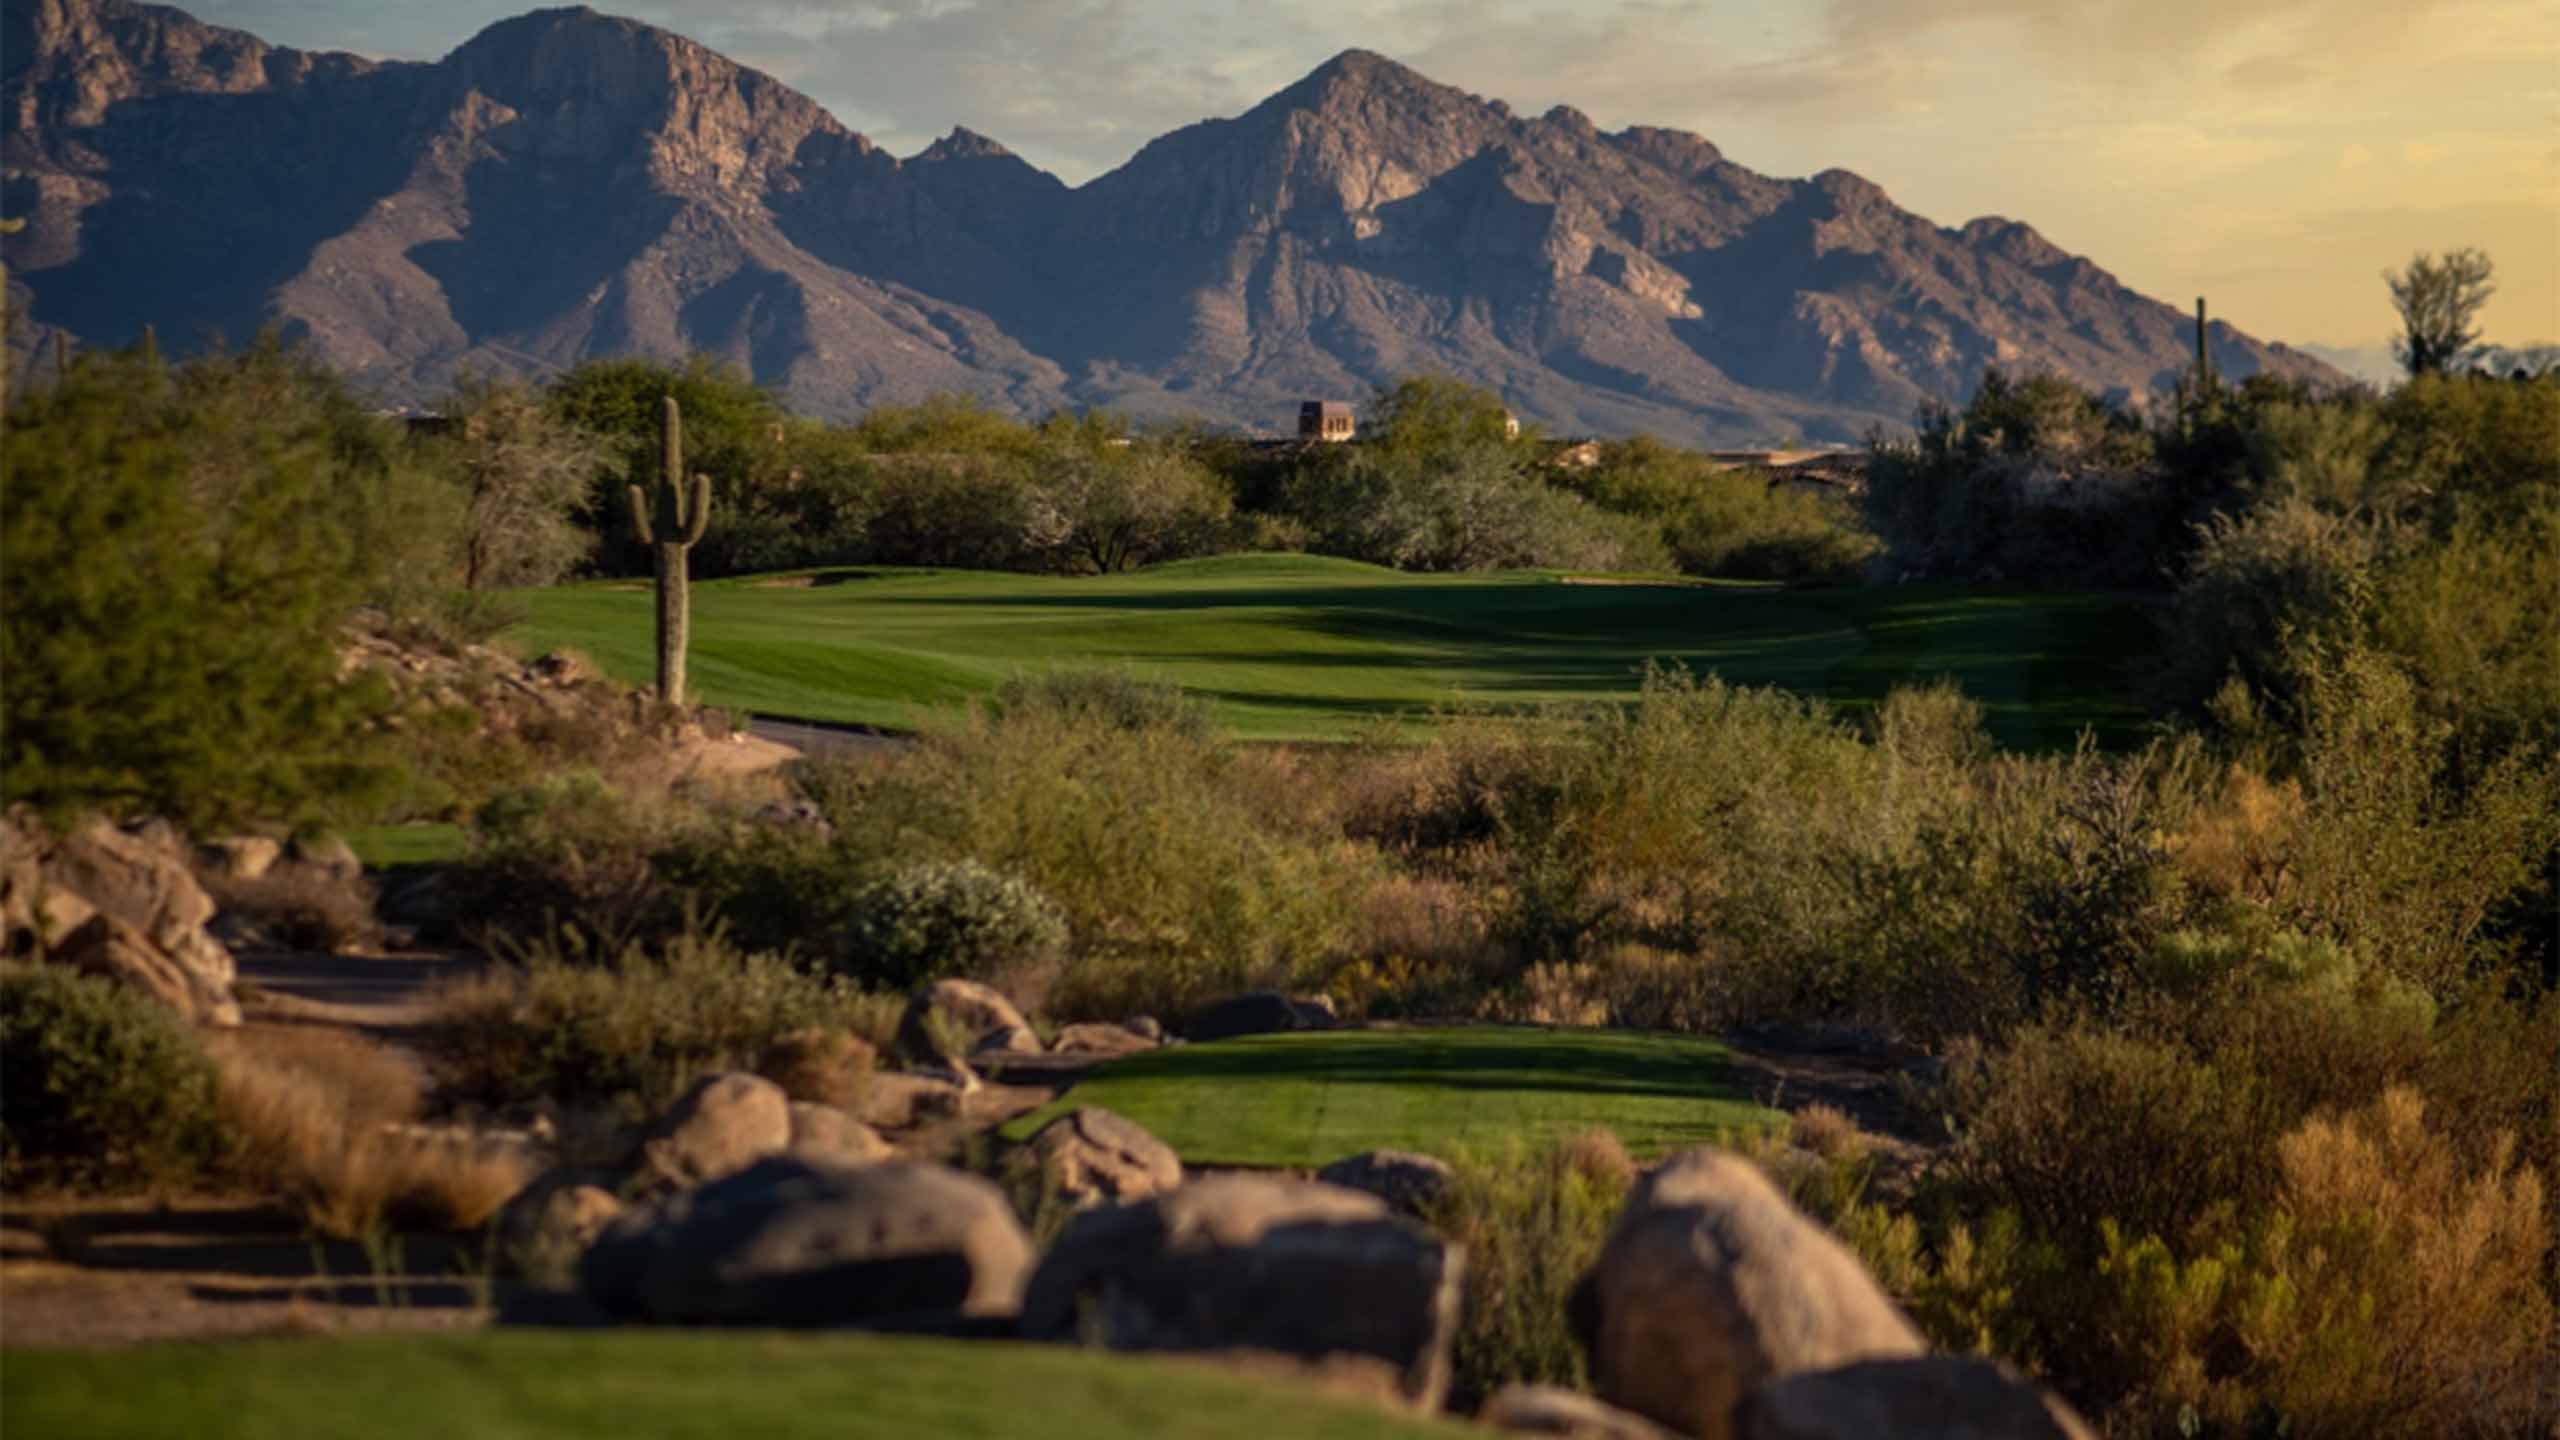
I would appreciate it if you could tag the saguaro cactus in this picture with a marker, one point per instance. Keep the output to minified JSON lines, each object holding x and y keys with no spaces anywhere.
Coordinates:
{"x":669,"y":523}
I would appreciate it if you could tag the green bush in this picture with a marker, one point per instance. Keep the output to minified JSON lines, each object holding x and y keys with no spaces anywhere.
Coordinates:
{"x":1114,"y":699}
{"x":99,"y":1084}
{"x":1532,"y":1222}
{"x":182,"y":546}
{"x":626,"y":1029}
{"x":932,"y":919}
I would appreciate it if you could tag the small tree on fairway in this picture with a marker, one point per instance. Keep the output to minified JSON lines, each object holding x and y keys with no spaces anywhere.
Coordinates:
{"x":2437,"y":301}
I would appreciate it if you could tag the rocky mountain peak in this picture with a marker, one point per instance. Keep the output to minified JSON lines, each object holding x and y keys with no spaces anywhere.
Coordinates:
{"x":964,"y":143}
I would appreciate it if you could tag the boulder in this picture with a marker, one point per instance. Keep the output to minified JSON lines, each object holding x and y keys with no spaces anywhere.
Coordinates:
{"x":823,"y":1132}
{"x":791,"y":1241}
{"x":948,"y":1018}
{"x":328,"y":853}
{"x":900,"y":1100}
{"x":1265,"y":1012}
{"x":1102,"y":1041}
{"x":1710,"y":1285}
{"x":540,"y":1233}
{"x":720,"y":1126}
{"x":1090,"y":1155}
{"x":1945,"y":1397}
{"x":1554,"y":1410}
{"x":1145,"y":1027}
{"x":1256,"y":1263}
{"x":53,"y":889}
{"x":1011,"y":1040}
{"x":239,"y":857}
{"x":1409,"y":1183}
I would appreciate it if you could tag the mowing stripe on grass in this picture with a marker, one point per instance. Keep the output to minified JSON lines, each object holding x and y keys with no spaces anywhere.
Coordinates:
{"x":1305,"y":1100}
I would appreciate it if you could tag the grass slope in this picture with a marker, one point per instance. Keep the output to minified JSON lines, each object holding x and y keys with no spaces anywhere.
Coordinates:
{"x":1295,"y":647}
{"x":523,"y":1385}
{"x":1310,"y":1099}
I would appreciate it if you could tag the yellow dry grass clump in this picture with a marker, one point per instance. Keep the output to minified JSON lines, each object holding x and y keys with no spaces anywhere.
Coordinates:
{"x":321,"y":1115}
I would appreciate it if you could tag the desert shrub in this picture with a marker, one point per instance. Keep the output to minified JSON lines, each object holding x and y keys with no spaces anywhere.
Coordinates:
{"x":2254,"y":582}
{"x":1116,"y":699}
{"x":182,"y":546}
{"x":2403,"y":1288}
{"x":320,"y":1119}
{"x":566,"y":849}
{"x":1532,"y":1222}
{"x":780,"y":888}
{"x":304,"y":906}
{"x":927,"y":920}
{"x":1127,"y":504}
{"x":624,"y":1029}
{"x":1467,"y":502}
{"x":100,"y":1085}
{"x":1172,"y":888}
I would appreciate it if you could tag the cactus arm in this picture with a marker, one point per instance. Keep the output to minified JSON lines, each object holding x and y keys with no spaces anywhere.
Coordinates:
{"x":698,"y":515}
{"x":640,"y":517}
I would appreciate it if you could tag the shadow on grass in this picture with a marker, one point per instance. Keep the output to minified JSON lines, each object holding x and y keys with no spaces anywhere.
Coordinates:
{"x":1553,"y":1062}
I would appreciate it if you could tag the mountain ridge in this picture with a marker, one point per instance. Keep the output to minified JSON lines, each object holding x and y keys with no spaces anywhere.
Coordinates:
{"x":568,"y":184}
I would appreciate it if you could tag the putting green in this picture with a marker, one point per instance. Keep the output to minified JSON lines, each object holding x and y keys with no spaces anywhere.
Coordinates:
{"x":1309,"y":1099}
{"x":1296,"y":647}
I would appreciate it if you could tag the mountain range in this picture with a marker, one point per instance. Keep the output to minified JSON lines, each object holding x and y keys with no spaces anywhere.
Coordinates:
{"x":569,"y":185}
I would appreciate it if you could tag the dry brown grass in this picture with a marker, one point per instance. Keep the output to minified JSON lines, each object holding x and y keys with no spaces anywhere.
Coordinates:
{"x":326,"y":1119}
{"x":303,"y":906}
{"x":1827,"y":1131}
{"x":822,"y":1066}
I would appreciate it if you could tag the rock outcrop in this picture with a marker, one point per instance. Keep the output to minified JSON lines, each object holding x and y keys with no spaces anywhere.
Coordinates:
{"x":719,"y":1127}
{"x":120,"y":901}
{"x":952,"y":1019}
{"x":1261,"y":1264}
{"x":1090,"y":1155}
{"x":790,"y":1241}
{"x":1711,"y":1285}
{"x":1945,"y":1397}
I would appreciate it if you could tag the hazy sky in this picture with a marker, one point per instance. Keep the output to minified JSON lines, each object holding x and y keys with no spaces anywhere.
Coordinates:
{"x":2272,"y":155}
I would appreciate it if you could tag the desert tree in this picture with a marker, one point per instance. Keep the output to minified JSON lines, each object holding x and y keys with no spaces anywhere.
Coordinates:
{"x":526,"y":474}
{"x":2438,"y":299}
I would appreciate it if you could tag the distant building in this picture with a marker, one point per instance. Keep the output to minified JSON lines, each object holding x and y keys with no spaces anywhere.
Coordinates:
{"x":1510,"y":426}
{"x":1326,"y":420}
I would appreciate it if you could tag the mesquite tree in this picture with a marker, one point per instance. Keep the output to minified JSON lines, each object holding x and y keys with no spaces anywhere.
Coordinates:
{"x":669,"y":523}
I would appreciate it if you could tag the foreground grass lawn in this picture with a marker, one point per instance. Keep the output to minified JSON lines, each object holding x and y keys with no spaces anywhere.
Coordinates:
{"x":1310,"y":1099}
{"x":505,"y":1384}
{"x":1295,"y":647}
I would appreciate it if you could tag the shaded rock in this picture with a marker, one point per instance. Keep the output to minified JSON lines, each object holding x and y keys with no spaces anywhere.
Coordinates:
{"x":1409,"y":1183}
{"x":53,"y":888}
{"x":796,"y":1242}
{"x":1253,"y":1262}
{"x":822,"y":1066}
{"x":328,"y":853}
{"x":1091,"y":1155}
{"x":540,"y":1233}
{"x":425,"y":905}
{"x":239,"y":857}
{"x":1145,"y":1027}
{"x":823,"y":1132}
{"x":899,"y":1100}
{"x":1265,"y":1012}
{"x":1100,"y":1040}
{"x":1945,"y":1397}
{"x":949,"y":1018}
{"x":1554,"y":1410}
{"x":1011,"y":1040}
{"x":1710,"y":1285}
{"x":720,"y":1126}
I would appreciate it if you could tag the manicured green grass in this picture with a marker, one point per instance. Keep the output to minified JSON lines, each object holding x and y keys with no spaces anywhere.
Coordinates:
{"x":1310,"y":1099}
{"x":522,"y":1384}
{"x":385,"y":847}
{"x":1295,"y":647}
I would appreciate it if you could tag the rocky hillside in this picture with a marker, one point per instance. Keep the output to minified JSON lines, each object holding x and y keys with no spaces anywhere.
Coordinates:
{"x":569,"y":184}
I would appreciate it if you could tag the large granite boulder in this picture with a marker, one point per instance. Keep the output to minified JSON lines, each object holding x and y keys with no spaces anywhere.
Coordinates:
{"x":791,"y":1241}
{"x":948,"y":1020}
{"x":541,"y":1232}
{"x":721,"y":1126}
{"x":1090,"y":1155}
{"x":1711,"y":1285}
{"x":1257,"y":1263}
{"x":117,"y":901}
{"x":1945,"y":1397}
{"x":1102,"y":1041}
{"x":823,"y":1132}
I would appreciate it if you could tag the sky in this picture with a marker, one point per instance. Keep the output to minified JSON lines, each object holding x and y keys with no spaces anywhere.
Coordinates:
{"x":2274,"y":156}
